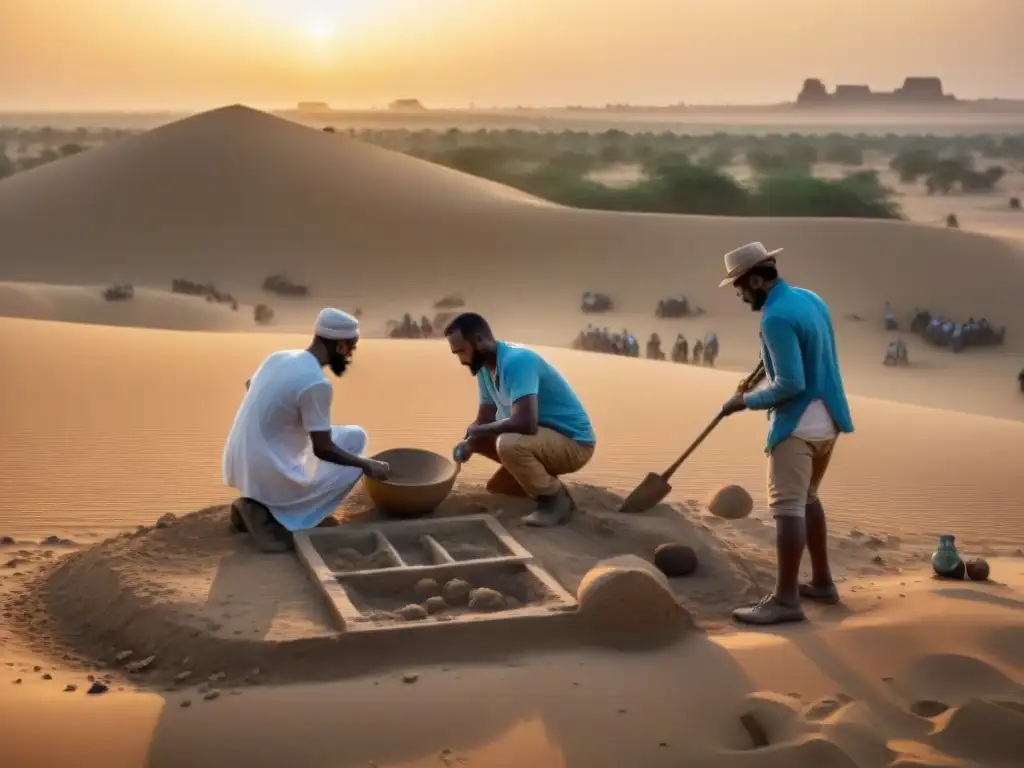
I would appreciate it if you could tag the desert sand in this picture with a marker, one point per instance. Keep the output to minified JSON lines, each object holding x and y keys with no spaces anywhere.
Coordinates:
{"x":116,"y":413}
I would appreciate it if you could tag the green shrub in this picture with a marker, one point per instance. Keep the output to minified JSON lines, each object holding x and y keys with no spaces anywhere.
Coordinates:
{"x":809,"y":196}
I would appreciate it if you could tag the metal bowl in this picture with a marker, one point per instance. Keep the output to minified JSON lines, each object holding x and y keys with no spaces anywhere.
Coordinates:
{"x":420,"y":480}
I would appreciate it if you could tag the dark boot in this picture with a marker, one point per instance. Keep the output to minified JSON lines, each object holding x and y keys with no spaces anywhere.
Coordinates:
{"x":554,"y":509}
{"x":267,"y":534}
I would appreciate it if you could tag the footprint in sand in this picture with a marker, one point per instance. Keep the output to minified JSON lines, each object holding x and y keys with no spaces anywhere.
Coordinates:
{"x":928,"y":708}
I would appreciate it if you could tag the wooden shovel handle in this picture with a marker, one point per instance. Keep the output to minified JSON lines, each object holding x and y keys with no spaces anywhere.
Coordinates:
{"x":751,"y":381}
{"x":667,"y":474}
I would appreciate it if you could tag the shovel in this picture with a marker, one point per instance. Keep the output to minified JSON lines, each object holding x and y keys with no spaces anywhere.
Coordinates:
{"x":654,"y":488}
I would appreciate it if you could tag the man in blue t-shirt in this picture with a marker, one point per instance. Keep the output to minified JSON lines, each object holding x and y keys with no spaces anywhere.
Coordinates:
{"x":529,"y":419}
{"x":808,"y":411}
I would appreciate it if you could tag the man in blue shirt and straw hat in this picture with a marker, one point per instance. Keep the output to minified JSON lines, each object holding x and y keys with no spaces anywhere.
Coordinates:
{"x":807,"y":411}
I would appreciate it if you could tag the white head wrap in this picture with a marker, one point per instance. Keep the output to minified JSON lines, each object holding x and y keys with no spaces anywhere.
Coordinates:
{"x":336,"y":325}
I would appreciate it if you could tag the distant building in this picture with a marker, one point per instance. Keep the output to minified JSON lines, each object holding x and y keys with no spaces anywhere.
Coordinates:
{"x":406,"y":104}
{"x":914,"y":91}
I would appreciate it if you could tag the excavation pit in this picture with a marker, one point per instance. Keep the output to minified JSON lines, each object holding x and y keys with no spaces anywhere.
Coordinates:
{"x":392,"y":558}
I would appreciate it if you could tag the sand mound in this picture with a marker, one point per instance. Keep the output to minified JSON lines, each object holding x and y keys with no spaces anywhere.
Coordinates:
{"x":859,"y":733}
{"x":630,"y":598}
{"x":190,"y":588}
{"x":853,"y":734}
{"x":982,"y":729}
{"x":173,"y":198}
{"x":952,"y":677}
{"x":147,"y":309}
{"x":730,"y":502}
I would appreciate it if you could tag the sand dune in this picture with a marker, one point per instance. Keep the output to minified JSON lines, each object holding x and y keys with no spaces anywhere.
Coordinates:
{"x":234,"y":194}
{"x":148,"y":308}
{"x":108,"y":428}
{"x":842,"y":693}
{"x":139,"y":410}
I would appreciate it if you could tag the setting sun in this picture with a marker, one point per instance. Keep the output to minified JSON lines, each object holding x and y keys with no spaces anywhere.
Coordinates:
{"x":320,"y":29}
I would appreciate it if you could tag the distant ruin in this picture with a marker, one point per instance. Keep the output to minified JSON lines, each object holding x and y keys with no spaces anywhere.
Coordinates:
{"x":400,"y":105}
{"x":915,"y":91}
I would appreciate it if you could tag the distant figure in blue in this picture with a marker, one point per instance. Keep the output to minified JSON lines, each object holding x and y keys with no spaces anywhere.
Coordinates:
{"x":807,"y":410}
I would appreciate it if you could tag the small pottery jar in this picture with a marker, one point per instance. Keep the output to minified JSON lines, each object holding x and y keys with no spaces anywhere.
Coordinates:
{"x":946,"y":560}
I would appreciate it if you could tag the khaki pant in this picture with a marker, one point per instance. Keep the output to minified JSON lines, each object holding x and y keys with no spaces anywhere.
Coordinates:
{"x":796,"y":468}
{"x":535,"y":461}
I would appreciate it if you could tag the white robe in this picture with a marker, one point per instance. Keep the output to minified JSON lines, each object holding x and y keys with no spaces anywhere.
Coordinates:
{"x":269,"y":457}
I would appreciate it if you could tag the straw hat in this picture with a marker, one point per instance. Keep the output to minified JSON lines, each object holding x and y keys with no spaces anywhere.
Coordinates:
{"x":744,"y":259}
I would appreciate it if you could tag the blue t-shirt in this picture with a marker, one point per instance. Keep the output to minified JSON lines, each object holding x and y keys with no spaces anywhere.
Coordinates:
{"x":522,"y":372}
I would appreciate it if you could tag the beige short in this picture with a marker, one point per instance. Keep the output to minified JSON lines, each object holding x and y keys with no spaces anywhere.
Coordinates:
{"x":796,"y":468}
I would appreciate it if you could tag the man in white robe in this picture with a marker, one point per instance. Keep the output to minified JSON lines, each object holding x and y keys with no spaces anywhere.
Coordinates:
{"x":282,"y":452}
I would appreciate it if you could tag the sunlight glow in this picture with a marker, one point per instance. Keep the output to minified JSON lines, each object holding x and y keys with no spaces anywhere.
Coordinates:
{"x":320,"y":30}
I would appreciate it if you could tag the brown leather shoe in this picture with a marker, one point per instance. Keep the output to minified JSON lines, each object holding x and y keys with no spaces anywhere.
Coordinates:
{"x":502,"y":482}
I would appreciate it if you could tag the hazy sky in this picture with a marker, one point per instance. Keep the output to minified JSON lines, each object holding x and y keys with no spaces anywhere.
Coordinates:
{"x":141,"y":54}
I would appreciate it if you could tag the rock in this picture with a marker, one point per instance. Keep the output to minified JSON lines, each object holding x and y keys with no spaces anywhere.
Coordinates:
{"x":138,"y":666}
{"x":628,"y":598}
{"x":211,"y":694}
{"x":412,"y":612}
{"x":216,"y":676}
{"x":6,"y":541}
{"x":70,"y":688}
{"x":977,"y":569}
{"x":486,"y":600}
{"x":185,"y":703}
{"x":47,"y":676}
{"x":183,"y":676}
{"x":410,"y":677}
{"x":123,"y":655}
{"x":730,"y":502}
{"x":435,"y":604}
{"x":675,"y":560}
{"x":456,"y":592}
{"x":97,"y":688}
{"x":166,"y":521}
{"x":427,"y":588}
{"x":511,"y":603}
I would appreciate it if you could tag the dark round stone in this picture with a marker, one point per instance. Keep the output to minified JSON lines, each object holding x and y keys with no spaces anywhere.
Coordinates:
{"x":977,"y":569}
{"x":675,"y":560}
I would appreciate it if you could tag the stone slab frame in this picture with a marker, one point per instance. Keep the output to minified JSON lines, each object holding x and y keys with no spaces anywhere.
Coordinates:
{"x":350,"y":619}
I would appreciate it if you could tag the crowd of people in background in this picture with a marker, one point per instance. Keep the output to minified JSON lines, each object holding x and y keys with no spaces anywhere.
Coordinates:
{"x":941,"y":331}
{"x":594,"y":339}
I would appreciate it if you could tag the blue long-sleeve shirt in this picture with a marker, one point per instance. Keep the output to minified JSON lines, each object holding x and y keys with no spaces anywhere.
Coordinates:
{"x":798,"y":347}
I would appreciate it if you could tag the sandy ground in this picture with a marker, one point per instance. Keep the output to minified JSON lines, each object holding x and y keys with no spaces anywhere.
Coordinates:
{"x":109,"y":427}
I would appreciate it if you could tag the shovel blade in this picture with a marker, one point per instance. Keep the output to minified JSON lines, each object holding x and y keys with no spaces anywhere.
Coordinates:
{"x":652,"y":491}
